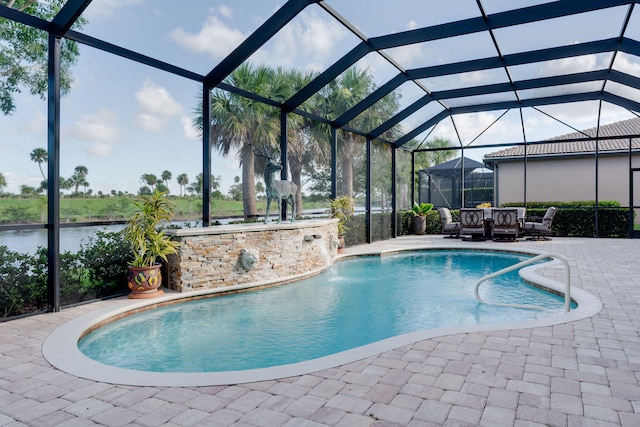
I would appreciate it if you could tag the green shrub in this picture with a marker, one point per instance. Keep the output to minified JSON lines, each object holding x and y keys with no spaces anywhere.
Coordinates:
{"x":98,"y":270}
{"x":577,"y":218}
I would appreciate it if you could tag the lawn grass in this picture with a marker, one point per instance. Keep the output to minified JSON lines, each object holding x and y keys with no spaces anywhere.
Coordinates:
{"x":15,"y":210}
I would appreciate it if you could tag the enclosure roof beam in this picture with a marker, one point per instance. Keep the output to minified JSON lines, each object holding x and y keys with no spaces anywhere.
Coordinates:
{"x":418,"y":130}
{"x":374,"y":97}
{"x":256,"y":40}
{"x":542,"y":82}
{"x":551,"y":100}
{"x":467,"y":26}
{"x":622,"y":102}
{"x":522,"y":58}
{"x":68,"y":15}
{"x":134,"y":56}
{"x":508,"y":18}
{"x":624,"y":79}
{"x":600,"y":46}
{"x":24,"y":18}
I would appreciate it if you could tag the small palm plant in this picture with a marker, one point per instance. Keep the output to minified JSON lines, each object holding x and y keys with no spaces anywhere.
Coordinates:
{"x":419,"y":212}
{"x":149,"y":243}
{"x":143,"y":233}
{"x":421,"y":209}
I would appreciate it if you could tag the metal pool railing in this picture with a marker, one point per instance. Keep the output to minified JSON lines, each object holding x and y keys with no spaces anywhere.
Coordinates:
{"x":567,"y":286}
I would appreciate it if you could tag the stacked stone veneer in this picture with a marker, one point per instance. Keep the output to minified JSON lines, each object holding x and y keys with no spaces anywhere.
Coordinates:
{"x":223,"y":256}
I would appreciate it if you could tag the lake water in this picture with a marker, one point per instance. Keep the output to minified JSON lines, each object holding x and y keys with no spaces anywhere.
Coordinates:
{"x":27,"y":241}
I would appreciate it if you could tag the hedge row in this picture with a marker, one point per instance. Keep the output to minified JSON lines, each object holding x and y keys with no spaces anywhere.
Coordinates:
{"x":98,"y":270}
{"x":573,"y":219}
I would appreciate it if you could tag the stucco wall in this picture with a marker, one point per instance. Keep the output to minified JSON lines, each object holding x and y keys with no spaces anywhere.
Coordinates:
{"x":220,"y":256}
{"x":567,"y":179}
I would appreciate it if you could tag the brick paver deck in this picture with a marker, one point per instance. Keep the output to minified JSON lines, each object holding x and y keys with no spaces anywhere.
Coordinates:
{"x":584,"y":373}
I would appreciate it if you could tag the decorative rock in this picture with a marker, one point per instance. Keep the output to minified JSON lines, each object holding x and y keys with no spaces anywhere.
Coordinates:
{"x":249,"y":258}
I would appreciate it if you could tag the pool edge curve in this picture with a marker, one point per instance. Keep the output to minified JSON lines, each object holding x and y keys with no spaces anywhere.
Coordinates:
{"x":61,"y":350}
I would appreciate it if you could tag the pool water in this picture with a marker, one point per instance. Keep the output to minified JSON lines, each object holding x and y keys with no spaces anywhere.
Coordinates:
{"x":356,"y":302}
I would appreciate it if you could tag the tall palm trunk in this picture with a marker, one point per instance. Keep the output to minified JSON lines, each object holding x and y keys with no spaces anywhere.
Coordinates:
{"x":296,"y":177}
{"x":248,"y":185}
{"x":347,"y":166}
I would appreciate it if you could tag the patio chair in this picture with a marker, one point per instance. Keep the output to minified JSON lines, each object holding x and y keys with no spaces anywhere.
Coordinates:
{"x":504,"y":224}
{"x":541,"y":230}
{"x":472,"y":223}
{"x":448,"y":225}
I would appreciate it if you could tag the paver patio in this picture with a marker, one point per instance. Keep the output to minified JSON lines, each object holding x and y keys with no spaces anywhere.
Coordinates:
{"x":583,"y":373}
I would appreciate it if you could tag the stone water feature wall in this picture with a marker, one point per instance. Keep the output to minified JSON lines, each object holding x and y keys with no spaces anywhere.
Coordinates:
{"x":230,"y":255}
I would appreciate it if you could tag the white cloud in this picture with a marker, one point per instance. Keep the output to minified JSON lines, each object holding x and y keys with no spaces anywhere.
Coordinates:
{"x":190,"y":131}
{"x":215,"y":37}
{"x":310,"y":36}
{"x":623,"y":64}
{"x":157,"y":107}
{"x":100,"y":127}
{"x":318,"y":35}
{"x":225,"y":11}
{"x":100,"y":149}
{"x":407,"y":56}
{"x":107,"y":8}
{"x":571,"y":65}
{"x":37,"y":124}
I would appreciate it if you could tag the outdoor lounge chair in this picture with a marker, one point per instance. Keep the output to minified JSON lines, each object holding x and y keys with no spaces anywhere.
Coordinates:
{"x":448,"y":226}
{"x":541,"y":230}
{"x":504,"y":224}
{"x":472,"y":223}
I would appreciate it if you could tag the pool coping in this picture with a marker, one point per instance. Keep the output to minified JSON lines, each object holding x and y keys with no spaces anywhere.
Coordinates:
{"x":61,"y":350}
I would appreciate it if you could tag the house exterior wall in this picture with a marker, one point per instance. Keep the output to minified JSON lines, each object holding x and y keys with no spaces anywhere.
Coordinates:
{"x":566,"y":179}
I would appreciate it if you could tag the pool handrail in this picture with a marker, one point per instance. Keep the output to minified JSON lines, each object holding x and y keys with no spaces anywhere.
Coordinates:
{"x":567,"y":285}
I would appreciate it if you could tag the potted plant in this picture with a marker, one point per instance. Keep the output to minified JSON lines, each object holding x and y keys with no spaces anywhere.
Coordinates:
{"x":149,"y":243}
{"x":342,"y":208}
{"x":419,"y":212}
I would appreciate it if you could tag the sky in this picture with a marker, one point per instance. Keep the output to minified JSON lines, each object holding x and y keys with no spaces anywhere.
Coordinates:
{"x":122,"y":119}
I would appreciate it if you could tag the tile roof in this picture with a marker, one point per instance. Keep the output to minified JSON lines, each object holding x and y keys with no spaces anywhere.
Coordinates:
{"x":625,"y":127}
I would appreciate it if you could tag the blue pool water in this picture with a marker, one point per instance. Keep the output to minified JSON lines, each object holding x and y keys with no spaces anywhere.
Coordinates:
{"x":357,"y":302}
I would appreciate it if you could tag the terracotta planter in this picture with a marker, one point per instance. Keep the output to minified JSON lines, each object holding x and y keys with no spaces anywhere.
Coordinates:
{"x":419,"y":224}
{"x":144,"y":281}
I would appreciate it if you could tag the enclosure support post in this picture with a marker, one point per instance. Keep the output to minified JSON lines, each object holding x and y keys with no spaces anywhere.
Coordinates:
{"x":394,"y":204}
{"x":413,"y":177}
{"x":334,"y":163}
{"x":462,"y":176}
{"x":368,"y":191}
{"x":524,"y":139}
{"x":283,"y":159}
{"x":53,"y":178}
{"x":631,"y":189}
{"x":206,"y":156}
{"x":596,"y":233}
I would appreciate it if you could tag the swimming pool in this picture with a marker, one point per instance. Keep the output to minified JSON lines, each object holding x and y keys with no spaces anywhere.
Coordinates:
{"x":365,"y":317}
{"x":356,"y":302}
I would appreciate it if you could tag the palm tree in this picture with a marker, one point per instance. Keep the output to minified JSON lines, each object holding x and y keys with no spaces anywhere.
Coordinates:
{"x":79,"y":177}
{"x":183,"y":180}
{"x":150,"y":179}
{"x":40,"y":156}
{"x":76,"y":180}
{"x":240,"y":124}
{"x":302,"y":145}
{"x":166,"y":177}
{"x":427,"y":159}
{"x":339,"y":96}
